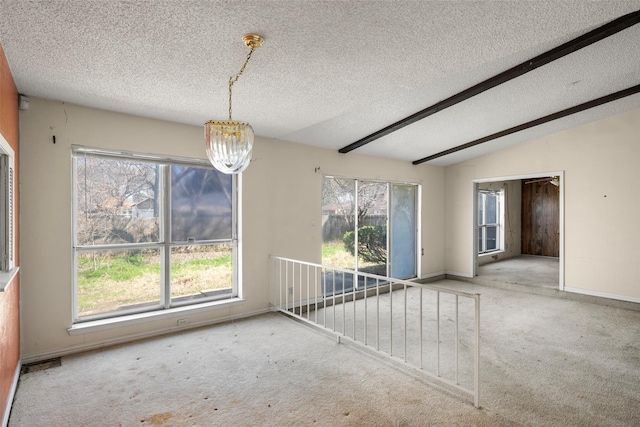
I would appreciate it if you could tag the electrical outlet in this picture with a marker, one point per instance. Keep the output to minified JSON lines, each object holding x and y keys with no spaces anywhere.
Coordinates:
{"x":291,"y":290}
{"x":183,"y":322}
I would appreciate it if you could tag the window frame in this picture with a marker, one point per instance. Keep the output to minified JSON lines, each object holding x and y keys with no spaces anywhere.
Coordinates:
{"x":499,"y":225}
{"x":8,"y":268}
{"x":164,"y":243}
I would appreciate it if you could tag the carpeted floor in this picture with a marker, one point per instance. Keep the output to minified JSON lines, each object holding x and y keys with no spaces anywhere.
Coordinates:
{"x":545,"y":362}
{"x":523,"y":270}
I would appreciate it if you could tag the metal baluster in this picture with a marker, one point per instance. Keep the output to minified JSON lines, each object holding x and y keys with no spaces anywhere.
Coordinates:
{"x":405,"y":322}
{"x":390,"y":318}
{"x":421,"y":322}
{"x":280,"y":281}
{"x":333,"y":273}
{"x":293,"y":288}
{"x":378,"y":314}
{"x":315,"y":293}
{"x":366,"y":312}
{"x":308,"y":293}
{"x":457,"y":336}
{"x":353,"y":293}
{"x":344,"y":313}
{"x":286,"y":284}
{"x":300,"y":285}
{"x":476,"y":356}
{"x":438,"y":333}
{"x":324,"y":296}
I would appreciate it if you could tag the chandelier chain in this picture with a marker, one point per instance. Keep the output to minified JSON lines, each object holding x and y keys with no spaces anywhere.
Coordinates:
{"x":232,"y":80}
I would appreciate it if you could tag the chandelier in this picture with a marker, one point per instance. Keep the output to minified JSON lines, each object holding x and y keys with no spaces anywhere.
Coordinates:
{"x":229,"y":142}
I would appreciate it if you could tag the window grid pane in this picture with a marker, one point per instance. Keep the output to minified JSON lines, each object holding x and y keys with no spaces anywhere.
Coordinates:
{"x":201,"y":271}
{"x":491,"y":235}
{"x":201,"y":204}
{"x":491,"y":209}
{"x":117,"y":201}
{"x":112,"y":281}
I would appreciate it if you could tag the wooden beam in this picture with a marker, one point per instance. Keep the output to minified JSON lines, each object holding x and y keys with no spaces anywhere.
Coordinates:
{"x":572,"y":110}
{"x":571,"y":46}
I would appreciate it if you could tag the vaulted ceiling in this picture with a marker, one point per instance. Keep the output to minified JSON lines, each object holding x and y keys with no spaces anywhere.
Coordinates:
{"x":332,"y":73}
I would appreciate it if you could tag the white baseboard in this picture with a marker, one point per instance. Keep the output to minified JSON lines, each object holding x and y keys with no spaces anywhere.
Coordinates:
{"x":430,"y":275}
{"x":455,"y":273}
{"x":37,"y":357}
{"x":602,"y":294}
{"x":12,"y":393}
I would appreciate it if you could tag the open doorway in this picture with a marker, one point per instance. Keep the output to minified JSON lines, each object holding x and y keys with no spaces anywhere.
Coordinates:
{"x":540,"y":217}
{"x":518,"y":226}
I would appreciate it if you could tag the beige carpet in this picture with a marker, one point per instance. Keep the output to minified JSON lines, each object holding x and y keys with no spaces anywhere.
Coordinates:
{"x":545,"y":362}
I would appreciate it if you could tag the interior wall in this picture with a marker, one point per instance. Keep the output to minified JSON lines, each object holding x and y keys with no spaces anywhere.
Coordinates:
{"x":10,"y":299}
{"x":281,"y":205}
{"x":512,"y":220}
{"x":600,"y":163}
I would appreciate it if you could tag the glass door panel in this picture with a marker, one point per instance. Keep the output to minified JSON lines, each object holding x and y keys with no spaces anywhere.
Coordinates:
{"x":338,"y":230}
{"x":372,"y":208}
{"x":403,"y":231}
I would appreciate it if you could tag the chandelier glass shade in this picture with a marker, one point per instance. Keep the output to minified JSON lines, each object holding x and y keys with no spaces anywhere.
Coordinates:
{"x":228,"y":145}
{"x":229,"y":142}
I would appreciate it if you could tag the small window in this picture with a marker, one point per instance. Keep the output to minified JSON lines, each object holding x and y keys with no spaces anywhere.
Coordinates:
{"x":490,"y":221}
{"x":150,"y":233}
{"x":7,"y":227}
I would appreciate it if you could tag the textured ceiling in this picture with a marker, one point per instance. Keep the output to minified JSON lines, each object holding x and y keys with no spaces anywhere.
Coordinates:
{"x":330,"y":72}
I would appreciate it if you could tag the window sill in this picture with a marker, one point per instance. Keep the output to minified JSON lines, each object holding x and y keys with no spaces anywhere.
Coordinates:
{"x":488,"y":254}
{"x":135,"y":319}
{"x":6,"y":278}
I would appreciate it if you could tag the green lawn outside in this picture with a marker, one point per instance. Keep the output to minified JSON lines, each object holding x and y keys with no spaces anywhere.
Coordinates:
{"x":108,"y":281}
{"x":335,"y":254}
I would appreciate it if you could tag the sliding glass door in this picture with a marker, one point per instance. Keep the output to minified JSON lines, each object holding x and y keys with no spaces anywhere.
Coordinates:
{"x":369,"y":226}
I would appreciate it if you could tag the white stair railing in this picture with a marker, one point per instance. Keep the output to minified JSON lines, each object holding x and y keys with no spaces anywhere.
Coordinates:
{"x":433,"y":329}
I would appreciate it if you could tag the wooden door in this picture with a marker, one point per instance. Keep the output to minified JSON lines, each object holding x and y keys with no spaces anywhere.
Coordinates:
{"x":540,"y":219}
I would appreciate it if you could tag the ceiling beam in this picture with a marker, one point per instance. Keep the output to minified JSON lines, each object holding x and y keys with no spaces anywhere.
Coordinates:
{"x":558,"y":115}
{"x":571,"y":46}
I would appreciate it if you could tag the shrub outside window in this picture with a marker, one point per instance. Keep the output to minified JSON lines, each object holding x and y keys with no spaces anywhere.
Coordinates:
{"x":150,"y":233}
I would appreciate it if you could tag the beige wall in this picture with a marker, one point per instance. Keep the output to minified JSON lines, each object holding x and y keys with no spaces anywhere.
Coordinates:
{"x":601,"y":162}
{"x":281,"y":212}
{"x":282,"y":209}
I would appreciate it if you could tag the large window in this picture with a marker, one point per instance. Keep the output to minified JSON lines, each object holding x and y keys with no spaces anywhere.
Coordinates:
{"x":490,"y":220}
{"x":150,"y":233}
{"x":369,"y":226}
